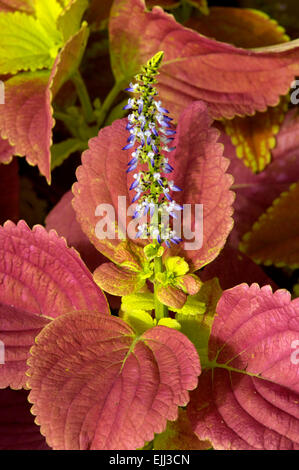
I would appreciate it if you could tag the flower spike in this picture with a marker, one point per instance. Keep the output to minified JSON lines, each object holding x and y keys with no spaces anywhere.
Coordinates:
{"x":151,"y":130}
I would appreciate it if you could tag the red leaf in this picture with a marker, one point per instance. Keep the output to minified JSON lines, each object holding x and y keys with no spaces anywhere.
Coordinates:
{"x":249,"y":398}
{"x":9,"y":190}
{"x":102,"y":388}
{"x":233,"y":81}
{"x":17,"y":428}
{"x":40,"y":278}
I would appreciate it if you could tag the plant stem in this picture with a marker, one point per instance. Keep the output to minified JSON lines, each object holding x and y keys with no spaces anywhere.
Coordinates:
{"x":117,"y":87}
{"x":83,"y":97}
{"x":161,"y":310}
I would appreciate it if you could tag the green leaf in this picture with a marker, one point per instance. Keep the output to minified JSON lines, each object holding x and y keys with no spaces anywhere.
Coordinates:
{"x":176,"y":265}
{"x":193,"y":306}
{"x":27,"y":43}
{"x":61,"y":151}
{"x":139,"y":320}
{"x":153,"y":251}
{"x":170,"y":323}
{"x":69,"y":21}
{"x":140,"y":301}
{"x":197,"y":326}
{"x":47,"y":14}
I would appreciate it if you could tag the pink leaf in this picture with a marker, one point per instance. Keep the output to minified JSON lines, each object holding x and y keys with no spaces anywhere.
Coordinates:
{"x":233,"y":81}
{"x":248,"y":396}
{"x":63,"y":219}
{"x":200,"y":170}
{"x":96,"y":386}
{"x":17,"y":428}
{"x":254,"y":193}
{"x":25,"y":6}
{"x":40,"y":279}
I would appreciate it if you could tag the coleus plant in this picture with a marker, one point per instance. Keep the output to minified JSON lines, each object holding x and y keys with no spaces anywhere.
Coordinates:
{"x":102,"y":381}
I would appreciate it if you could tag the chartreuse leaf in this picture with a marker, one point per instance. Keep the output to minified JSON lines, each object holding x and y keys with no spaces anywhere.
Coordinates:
{"x":116,"y":389}
{"x":273,"y":239}
{"x":69,"y":21}
{"x":197,"y":315}
{"x":140,"y":301}
{"x":176,"y":265}
{"x":247,"y":398}
{"x":139,"y":320}
{"x":152,"y":251}
{"x":170,"y":323}
{"x":28,"y":43}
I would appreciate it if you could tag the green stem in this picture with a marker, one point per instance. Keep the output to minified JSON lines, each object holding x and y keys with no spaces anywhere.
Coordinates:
{"x":69,"y":122}
{"x":118,"y":86}
{"x":83,"y":97}
{"x":161,"y":310}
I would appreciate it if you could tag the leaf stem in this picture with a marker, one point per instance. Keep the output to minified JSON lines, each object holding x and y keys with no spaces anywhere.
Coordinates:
{"x":84,"y":98}
{"x":117,"y":87}
{"x":161,"y":310}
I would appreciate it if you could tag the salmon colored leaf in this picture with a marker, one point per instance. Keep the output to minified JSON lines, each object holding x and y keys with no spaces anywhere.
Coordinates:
{"x":7,"y":151}
{"x":17,"y":428}
{"x":41,"y":275}
{"x":240,"y":77}
{"x":254,"y":193}
{"x":100,"y":183}
{"x":179,"y":436}
{"x":40,"y":278}
{"x":239,"y":26}
{"x":28,"y":96}
{"x":10,"y":192}
{"x":63,"y":219}
{"x":116,"y":280}
{"x":26,"y":6}
{"x":95,"y":385}
{"x":273,"y":238}
{"x":200,"y":169}
{"x":171,"y":296}
{"x":247,"y":398}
